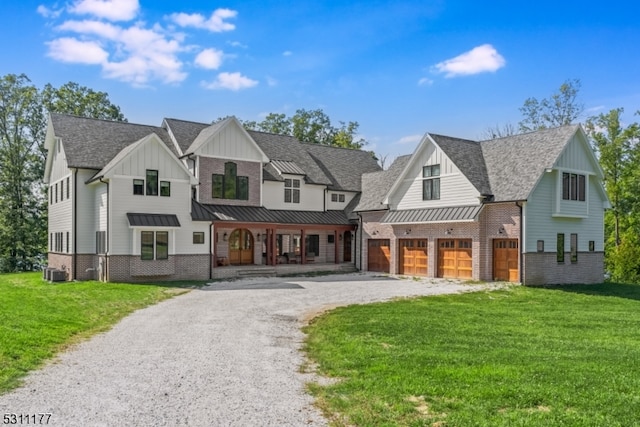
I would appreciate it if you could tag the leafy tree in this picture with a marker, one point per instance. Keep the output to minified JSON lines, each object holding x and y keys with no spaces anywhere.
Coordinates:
{"x":23,"y":201}
{"x":312,"y":126}
{"x":617,"y":149}
{"x":497,"y":131}
{"x":22,"y":124}
{"x":562,"y":108}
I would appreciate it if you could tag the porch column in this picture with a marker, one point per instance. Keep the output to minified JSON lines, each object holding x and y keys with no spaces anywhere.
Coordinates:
{"x":212,"y":243}
{"x":336,"y":248}
{"x":303,"y":247}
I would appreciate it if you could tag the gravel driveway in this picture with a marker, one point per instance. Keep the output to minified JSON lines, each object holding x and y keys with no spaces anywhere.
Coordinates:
{"x":224,"y":355}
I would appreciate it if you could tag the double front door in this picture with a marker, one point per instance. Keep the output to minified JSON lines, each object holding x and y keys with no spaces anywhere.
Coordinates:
{"x":241,"y":247}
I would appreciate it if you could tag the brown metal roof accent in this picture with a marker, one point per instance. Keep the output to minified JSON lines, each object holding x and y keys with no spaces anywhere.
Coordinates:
{"x":447,"y":214}
{"x":152,"y":220}
{"x":258,"y":214}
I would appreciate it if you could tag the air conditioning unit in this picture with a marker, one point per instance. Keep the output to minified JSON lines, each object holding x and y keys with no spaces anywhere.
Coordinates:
{"x":58,"y":275}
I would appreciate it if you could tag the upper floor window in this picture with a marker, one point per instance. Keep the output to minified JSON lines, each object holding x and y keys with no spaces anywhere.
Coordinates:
{"x":165,"y":188}
{"x":138,"y":186}
{"x":291,"y":190}
{"x":573,"y":186}
{"x":431,"y":182}
{"x":152,"y":182}
{"x":230,"y":185}
{"x":335,"y":197}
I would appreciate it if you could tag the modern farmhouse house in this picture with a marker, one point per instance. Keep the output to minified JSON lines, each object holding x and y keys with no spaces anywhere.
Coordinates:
{"x":187,"y":200}
{"x":527,"y":208}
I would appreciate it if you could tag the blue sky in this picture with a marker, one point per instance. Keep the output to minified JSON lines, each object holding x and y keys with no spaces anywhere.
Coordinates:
{"x":399,"y":69}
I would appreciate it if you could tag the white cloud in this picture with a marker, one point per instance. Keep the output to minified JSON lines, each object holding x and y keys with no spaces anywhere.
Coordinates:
{"x":287,"y":53}
{"x":139,"y":54}
{"x":238,"y":44}
{"x":231,"y":81}
{"x":211,"y":59}
{"x":216,"y":22}
{"x":271,"y":81}
{"x":425,"y":82}
{"x":48,"y":13}
{"x":113,"y":10}
{"x":480,"y":59}
{"x":68,"y":49}
{"x":410,"y":139}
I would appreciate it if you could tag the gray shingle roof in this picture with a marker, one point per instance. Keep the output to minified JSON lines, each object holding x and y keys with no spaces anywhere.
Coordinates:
{"x":467,"y":156}
{"x":92,"y":143}
{"x":185,"y":132}
{"x":515,"y":163}
{"x":289,"y":149}
{"x":375,"y":185}
{"x":343,"y":166}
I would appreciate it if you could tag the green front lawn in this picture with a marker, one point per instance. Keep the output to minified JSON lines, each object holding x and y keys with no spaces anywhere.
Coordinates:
{"x":518,"y":357}
{"x":38,"y":319}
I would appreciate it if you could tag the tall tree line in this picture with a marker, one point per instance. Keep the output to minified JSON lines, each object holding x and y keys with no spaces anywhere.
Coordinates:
{"x":616,"y":142}
{"x":23,"y":125}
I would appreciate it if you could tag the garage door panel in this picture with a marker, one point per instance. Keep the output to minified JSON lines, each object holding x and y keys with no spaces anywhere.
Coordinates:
{"x":455,"y":258}
{"x":413,"y":257}
{"x":505,"y":260}
{"x":379,"y":255}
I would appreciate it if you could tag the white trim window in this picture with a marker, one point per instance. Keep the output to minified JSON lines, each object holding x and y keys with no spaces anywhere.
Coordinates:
{"x":154,"y":245}
{"x":291,"y":190}
{"x":431,"y":182}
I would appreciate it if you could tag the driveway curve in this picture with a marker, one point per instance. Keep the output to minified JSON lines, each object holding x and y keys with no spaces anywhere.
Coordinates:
{"x":224,"y":355}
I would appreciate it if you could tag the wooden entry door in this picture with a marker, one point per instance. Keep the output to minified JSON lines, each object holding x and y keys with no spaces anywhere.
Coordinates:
{"x":379,"y":255}
{"x":347,"y":246}
{"x":413,"y":257}
{"x":455,"y":258}
{"x":241,"y":247}
{"x":505,"y":260}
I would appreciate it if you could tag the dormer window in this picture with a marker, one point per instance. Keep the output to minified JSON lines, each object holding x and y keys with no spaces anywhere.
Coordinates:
{"x":431,"y":182}
{"x":291,"y":190}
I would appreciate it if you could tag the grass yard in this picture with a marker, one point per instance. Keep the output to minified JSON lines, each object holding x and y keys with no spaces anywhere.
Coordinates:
{"x":38,"y":319}
{"x":517,"y":357}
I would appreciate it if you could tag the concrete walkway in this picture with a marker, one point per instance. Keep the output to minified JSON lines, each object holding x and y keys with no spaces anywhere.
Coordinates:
{"x":224,"y":355}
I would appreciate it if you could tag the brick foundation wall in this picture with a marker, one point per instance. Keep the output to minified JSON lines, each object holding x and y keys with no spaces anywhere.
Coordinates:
{"x":542,"y":268}
{"x":61,"y":262}
{"x":126,"y":268}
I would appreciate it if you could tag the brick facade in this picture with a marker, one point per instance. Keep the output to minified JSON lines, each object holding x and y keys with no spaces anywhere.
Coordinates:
{"x":209,"y":166}
{"x":496,"y":221}
{"x":61,"y":262}
{"x":542,"y":268}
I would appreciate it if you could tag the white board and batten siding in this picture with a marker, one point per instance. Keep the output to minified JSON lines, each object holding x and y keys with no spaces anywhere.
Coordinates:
{"x":231,"y":142}
{"x":60,"y":210}
{"x":311,"y":195}
{"x":541,"y":224}
{"x":455,"y":188}
{"x":151,"y":155}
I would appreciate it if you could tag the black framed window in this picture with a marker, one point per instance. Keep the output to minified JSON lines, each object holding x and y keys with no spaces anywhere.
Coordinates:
{"x":560,"y":248}
{"x":198,"y":237}
{"x":162,"y":245}
{"x":574,"y":186}
{"x":138,"y":187}
{"x":341,"y":198}
{"x":431,"y":182}
{"x":61,"y":190}
{"x":165,"y":188}
{"x":154,"y":245}
{"x":67,"y":187}
{"x":147,"y":245}
{"x":574,"y":248}
{"x":152,"y":182}
{"x":229,"y":185}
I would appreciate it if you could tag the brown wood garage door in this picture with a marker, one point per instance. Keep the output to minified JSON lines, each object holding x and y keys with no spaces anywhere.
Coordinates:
{"x":413,"y":257}
{"x":379,"y":255}
{"x":455,"y":258}
{"x":505,"y":260}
